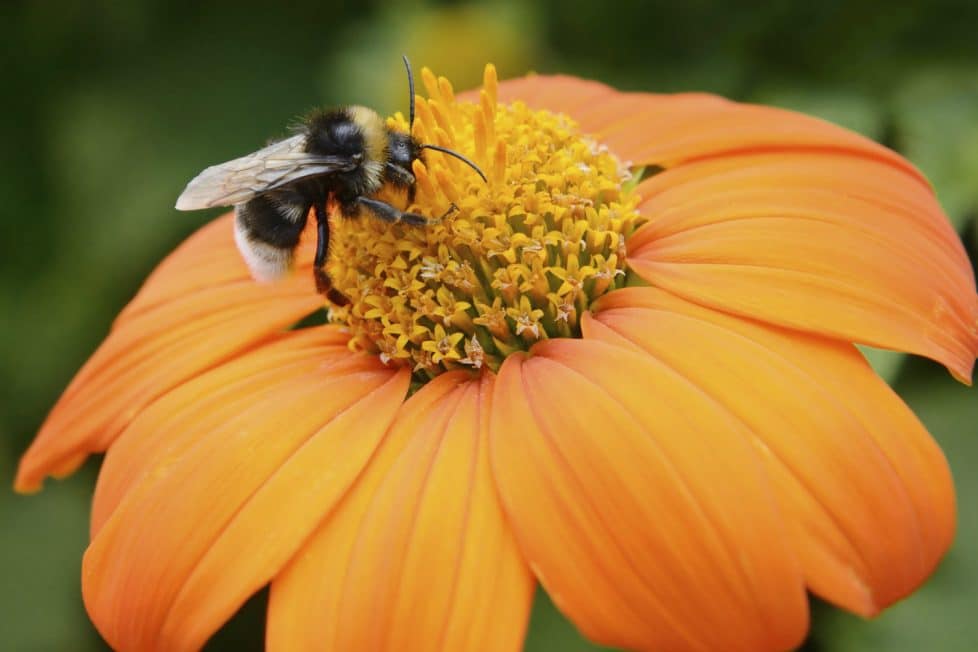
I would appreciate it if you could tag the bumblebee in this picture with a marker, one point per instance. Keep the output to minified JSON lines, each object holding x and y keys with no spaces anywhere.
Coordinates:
{"x":346,"y":155}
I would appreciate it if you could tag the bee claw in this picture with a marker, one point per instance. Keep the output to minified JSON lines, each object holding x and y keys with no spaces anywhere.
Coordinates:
{"x":452,"y":208}
{"x":420,"y":220}
{"x":325,"y":287}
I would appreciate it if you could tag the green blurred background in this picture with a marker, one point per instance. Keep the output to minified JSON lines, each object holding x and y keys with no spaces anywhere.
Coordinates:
{"x":110,"y":107}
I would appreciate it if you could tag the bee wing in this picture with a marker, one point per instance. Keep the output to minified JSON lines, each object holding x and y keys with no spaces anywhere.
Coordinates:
{"x":239,"y":180}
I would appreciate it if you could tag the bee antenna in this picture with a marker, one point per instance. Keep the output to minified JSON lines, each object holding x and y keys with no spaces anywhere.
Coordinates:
{"x":452,"y":152}
{"x":407,"y":64}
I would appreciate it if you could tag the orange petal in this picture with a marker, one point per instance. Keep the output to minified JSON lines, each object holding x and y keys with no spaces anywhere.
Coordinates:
{"x":849,"y":460}
{"x":641,"y":505}
{"x":559,"y":93}
{"x":418,"y":556}
{"x":204,"y":403}
{"x":197,"y":310}
{"x":230,"y":496}
{"x":665,"y":130}
{"x":209,"y":258}
{"x":842,"y":246}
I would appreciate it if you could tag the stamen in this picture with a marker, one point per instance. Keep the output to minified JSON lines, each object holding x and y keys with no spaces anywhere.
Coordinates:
{"x":481,"y":136}
{"x":490,"y":84}
{"x":499,"y":163}
{"x":422,"y":180}
{"x":431,"y":85}
{"x":446,"y":91}
{"x":518,"y":259}
{"x":446,"y":182}
{"x":425,"y":124}
{"x":444,"y":129}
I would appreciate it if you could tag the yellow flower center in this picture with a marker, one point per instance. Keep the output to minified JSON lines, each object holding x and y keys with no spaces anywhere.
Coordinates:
{"x":504,"y":263}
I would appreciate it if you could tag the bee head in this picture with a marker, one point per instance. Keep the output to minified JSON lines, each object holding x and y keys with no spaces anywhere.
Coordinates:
{"x":403,"y":149}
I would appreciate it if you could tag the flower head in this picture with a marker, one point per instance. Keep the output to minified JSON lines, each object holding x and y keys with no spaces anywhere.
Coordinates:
{"x":501,"y":257}
{"x":624,"y":368}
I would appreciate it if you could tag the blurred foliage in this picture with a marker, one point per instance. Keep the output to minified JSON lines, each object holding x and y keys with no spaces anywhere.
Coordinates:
{"x":936,"y":125}
{"x":110,"y":107}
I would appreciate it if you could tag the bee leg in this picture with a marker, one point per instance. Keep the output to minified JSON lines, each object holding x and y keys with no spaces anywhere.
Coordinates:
{"x":399,"y":176}
{"x":322,"y":233}
{"x":323,"y":283}
{"x":325,"y":287}
{"x":402,"y":178}
{"x":451,"y":209}
{"x":388,"y":213}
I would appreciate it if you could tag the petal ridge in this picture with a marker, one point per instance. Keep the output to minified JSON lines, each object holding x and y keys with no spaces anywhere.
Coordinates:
{"x":423,"y":518}
{"x":216,"y":394}
{"x":686,"y":633}
{"x":902,"y":282}
{"x":198,"y":310}
{"x":182,"y":619}
{"x":670,"y":130}
{"x":595,"y":325}
{"x":688,"y":556}
{"x":230,"y":464}
{"x":852,"y":394}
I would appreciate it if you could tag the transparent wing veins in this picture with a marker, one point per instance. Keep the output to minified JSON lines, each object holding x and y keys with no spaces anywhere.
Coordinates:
{"x":241,"y":179}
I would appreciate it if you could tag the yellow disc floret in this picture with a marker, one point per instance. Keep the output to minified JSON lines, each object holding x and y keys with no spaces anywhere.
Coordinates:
{"x":502,"y":264}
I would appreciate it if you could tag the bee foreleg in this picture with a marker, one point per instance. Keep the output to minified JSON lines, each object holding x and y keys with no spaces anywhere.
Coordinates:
{"x":402,"y":178}
{"x":399,"y":176}
{"x":388,"y":213}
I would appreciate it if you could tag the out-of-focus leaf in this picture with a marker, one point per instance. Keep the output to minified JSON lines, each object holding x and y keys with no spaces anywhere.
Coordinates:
{"x":550,"y":631}
{"x":42,"y":539}
{"x":455,"y":41}
{"x":886,"y":363}
{"x":849,"y":109}
{"x":936,"y":119}
{"x":245,"y":632}
{"x":941,"y":616}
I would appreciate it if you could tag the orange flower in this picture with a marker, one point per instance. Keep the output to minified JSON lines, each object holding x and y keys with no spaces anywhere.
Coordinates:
{"x":641,"y":392}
